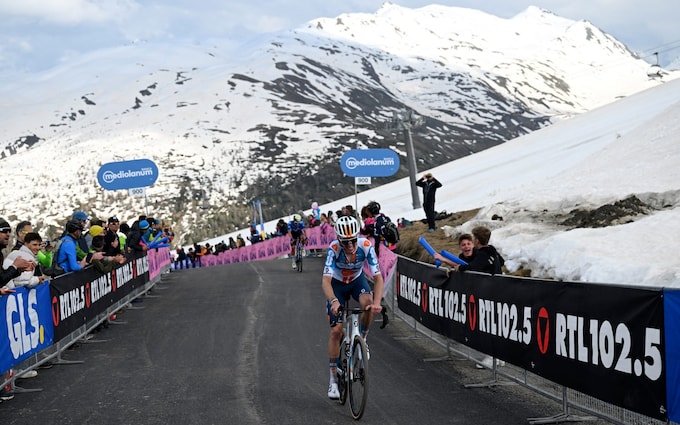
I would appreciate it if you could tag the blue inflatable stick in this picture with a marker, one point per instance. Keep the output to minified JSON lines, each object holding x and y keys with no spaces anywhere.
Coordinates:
{"x":453,"y":258}
{"x":429,"y":249}
{"x":154,"y":243}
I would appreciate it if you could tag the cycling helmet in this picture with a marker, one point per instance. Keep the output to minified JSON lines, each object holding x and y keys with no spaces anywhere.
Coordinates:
{"x":296,"y":217}
{"x":74,"y":225}
{"x":347,"y":227}
{"x":373,"y":207}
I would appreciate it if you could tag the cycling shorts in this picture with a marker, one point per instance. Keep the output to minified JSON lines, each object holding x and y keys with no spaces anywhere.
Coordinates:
{"x":343,"y":291}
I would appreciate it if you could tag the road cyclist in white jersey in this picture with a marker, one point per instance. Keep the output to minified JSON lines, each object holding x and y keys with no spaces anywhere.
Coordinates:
{"x":343,"y":277}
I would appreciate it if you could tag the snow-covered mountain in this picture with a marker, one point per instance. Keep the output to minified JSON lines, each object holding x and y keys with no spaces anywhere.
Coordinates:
{"x":272,"y":119}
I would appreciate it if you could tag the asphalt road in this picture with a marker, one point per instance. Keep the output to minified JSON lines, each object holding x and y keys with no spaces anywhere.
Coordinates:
{"x":246,"y":344}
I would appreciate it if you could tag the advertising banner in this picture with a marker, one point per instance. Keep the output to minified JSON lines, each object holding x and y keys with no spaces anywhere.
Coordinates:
{"x":127,"y":174}
{"x":672,"y":312}
{"x":27,"y":327}
{"x":603,"y":340}
{"x":77,"y":298}
{"x":369,"y":162}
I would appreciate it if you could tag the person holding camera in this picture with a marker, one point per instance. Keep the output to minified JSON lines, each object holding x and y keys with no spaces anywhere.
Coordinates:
{"x":430,"y":186}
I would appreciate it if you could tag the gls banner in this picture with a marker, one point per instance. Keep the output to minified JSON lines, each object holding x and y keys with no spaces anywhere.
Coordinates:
{"x":369,"y":162}
{"x":603,"y":340}
{"x":27,"y":326}
{"x":127,"y":174}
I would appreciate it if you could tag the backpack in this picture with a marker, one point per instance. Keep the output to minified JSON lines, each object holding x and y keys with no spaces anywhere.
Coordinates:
{"x":389,"y":231}
{"x":54,"y":269}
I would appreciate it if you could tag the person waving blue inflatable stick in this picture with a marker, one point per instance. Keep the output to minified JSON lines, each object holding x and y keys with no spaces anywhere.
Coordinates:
{"x":444,"y":253}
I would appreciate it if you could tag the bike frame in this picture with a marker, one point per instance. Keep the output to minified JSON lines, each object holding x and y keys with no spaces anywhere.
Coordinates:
{"x":299,"y":246}
{"x":349,"y":376}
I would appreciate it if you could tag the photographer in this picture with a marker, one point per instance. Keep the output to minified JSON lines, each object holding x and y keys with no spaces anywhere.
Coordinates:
{"x":45,"y":254}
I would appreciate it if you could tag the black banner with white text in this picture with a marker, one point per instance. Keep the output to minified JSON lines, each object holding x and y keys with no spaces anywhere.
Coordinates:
{"x":603,"y":340}
{"x":79,"y":297}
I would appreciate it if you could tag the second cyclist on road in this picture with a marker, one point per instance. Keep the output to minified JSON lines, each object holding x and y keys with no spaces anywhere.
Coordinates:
{"x":296,"y":230}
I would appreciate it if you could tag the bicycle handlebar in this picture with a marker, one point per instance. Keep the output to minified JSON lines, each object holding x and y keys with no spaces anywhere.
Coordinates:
{"x":354,"y":310}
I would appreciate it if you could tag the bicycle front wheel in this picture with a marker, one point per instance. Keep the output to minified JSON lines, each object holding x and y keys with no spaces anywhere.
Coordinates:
{"x":298,"y":256}
{"x":358,"y":378}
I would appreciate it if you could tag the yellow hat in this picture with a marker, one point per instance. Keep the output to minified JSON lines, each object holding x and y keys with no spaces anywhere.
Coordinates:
{"x":96,"y":230}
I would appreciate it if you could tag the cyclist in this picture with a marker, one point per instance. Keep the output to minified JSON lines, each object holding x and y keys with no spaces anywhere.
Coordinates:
{"x":296,"y":230}
{"x":343,"y":277}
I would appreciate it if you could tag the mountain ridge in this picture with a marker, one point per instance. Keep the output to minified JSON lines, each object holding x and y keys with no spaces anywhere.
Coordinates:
{"x":272,"y":123}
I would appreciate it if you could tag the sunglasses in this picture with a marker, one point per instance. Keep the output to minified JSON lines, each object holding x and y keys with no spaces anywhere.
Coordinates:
{"x":5,"y":230}
{"x":349,"y":241}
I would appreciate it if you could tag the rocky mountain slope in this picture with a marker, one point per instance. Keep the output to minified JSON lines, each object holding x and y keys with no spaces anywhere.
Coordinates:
{"x":271,"y":119}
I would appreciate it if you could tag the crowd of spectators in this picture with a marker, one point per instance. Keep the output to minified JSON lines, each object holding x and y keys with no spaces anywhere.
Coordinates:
{"x":85,"y":242}
{"x":190,"y":257}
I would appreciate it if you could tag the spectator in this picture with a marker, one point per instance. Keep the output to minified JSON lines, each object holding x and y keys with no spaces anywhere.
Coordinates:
{"x":486,"y":259}
{"x":19,"y":265}
{"x":10,"y":271}
{"x":316,"y":211}
{"x":46,"y":254}
{"x":379,"y":220}
{"x":122,"y":235}
{"x":331,"y":218}
{"x":254,"y":236}
{"x":95,"y":230}
{"x":82,"y":247}
{"x":430,"y":186}
{"x":349,"y":210}
{"x":136,"y":240}
{"x":467,"y":250}
{"x":23,"y":228}
{"x":281,"y":228}
{"x":111,"y":237}
{"x":232,"y":243}
{"x":108,"y":262}
{"x":239,"y":241}
{"x":312,"y":220}
{"x":325,"y":225}
{"x":29,"y":251}
{"x":67,"y":257}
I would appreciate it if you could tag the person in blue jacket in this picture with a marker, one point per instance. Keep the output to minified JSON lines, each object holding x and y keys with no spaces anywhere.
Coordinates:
{"x":67,"y":257}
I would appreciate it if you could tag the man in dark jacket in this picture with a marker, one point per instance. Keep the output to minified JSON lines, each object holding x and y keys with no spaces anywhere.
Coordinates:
{"x":135,"y":240}
{"x":486,"y":259}
{"x":430,"y":186}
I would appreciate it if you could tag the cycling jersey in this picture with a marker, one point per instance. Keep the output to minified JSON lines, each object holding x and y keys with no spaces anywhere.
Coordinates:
{"x":345,"y":269}
{"x":295,"y":228}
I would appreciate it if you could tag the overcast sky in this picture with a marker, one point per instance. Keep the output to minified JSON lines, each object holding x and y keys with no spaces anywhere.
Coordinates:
{"x":38,"y":34}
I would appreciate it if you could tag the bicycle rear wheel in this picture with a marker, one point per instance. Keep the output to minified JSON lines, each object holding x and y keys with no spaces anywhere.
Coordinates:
{"x":342,"y":373}
{"x":358,"y":379}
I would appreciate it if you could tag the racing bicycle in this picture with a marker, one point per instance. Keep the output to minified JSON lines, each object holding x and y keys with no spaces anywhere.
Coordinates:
{"x":299,"y":251}
{"x":352,"y":370}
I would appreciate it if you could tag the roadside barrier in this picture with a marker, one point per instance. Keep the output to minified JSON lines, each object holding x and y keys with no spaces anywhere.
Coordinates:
{"x":612,"y":350}
{"x":39,"y":323}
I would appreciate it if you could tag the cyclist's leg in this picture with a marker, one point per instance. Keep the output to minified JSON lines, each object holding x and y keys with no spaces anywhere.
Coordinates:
{"x":335,"y":336}
{"x":293,"y":242}
{"x":341,"y":292}
{"x":361,"y":292}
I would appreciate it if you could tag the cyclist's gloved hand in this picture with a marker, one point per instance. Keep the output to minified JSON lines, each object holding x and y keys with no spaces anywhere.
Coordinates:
{"x":375,"y":308}
{"x":335,"y":306}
